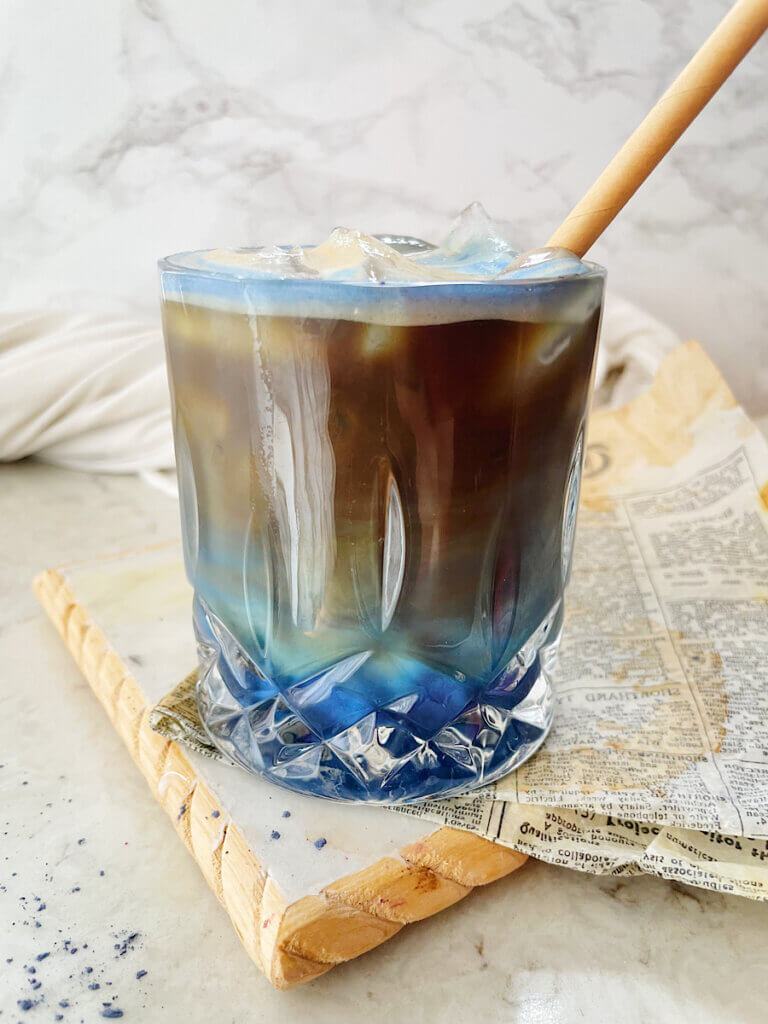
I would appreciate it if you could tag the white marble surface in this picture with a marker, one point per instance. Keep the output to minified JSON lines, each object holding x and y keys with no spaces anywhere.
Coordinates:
{"x":142,"y":604}
{"x":130,"y":130}
{"x":545,"y":946}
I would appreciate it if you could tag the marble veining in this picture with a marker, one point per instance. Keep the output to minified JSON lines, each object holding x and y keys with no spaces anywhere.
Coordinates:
{"x":133,"y":130}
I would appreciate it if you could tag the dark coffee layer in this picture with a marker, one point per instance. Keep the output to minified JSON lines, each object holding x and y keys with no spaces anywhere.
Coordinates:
{"x":360,"y":485}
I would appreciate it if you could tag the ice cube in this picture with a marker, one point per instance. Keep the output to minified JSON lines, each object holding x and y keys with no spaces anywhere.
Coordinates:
{"x":474,"y":246}
{"x":548,"y":262}
{"x":272,"y":259}
{"x":472,"y":227}
{"x":406,"y":244}
{"x":473,"y":250}
{"x":354,"y":256}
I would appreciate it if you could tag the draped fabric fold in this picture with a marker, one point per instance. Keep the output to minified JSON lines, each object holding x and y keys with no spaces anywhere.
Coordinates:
{"x":84,"y":390}
{"x":89,"y":390}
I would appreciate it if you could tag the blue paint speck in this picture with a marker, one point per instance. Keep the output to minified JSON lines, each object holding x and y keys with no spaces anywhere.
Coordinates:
{"x":94,"y":985}
{"x":320,"y":843}
{"x":274,"y":834}
{"x":140,"y":974}
{"x":286,"y":814}
{"x":127,"y":943}
{"x":42,"y":956}
{"x":111,"y":1012}
{"x":26,"y":1004}
{"x":215,"y":814}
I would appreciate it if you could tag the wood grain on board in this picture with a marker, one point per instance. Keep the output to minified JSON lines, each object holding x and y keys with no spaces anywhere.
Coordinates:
{"x":292,"y":942}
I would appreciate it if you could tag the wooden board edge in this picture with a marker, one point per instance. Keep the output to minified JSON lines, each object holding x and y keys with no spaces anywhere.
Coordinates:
{"x":373,"y":904}
{"x":291,"y":944}
{"x":227,"y":864}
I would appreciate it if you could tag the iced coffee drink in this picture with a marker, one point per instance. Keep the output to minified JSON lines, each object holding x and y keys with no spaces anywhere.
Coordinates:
{"x":379,"y":446}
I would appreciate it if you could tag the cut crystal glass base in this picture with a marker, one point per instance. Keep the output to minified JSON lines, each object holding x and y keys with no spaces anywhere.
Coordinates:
{"x":378,"y":725}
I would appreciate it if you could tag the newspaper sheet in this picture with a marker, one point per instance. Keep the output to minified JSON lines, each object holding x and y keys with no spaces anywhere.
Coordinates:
{"x":658,"y":757}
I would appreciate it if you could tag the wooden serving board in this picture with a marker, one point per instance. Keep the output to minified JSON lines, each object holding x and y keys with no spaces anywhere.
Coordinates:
{"x":308,"y":884}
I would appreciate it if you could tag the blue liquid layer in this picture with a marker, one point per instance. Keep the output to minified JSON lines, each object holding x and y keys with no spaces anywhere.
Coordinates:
{"x":376,"y":726}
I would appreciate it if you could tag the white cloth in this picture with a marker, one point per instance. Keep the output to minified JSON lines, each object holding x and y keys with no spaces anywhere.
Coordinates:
{"x":89,"y":390}
{"x":84,"y":390}
{"x":632,"y":344}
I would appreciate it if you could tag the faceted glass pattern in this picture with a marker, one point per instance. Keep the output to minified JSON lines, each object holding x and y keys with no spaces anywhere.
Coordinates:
{"x":378,"y":523}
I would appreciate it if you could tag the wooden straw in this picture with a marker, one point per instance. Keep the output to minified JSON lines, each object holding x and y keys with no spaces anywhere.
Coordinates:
{"x":689,"y":93}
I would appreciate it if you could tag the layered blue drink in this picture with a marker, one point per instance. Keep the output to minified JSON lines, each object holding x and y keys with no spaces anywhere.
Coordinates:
{"x":379,"y":447}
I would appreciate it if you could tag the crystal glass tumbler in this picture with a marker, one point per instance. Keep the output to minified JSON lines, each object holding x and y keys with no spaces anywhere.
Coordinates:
{"x":378,"y":488}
